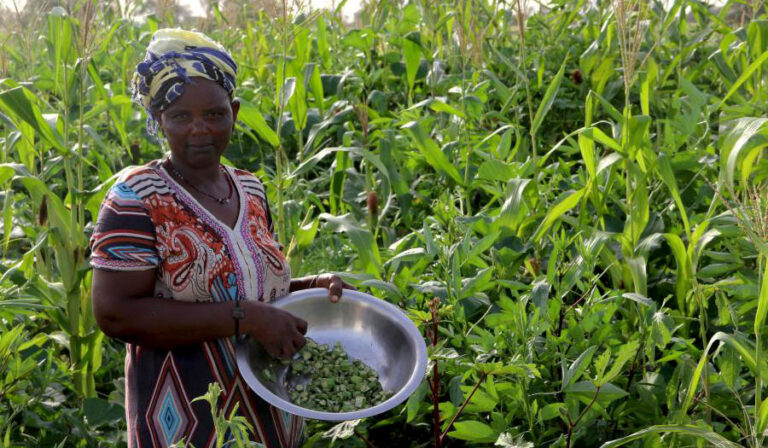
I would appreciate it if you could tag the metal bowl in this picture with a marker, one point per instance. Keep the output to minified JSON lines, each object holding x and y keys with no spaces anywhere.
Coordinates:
{"x":370,"y":329}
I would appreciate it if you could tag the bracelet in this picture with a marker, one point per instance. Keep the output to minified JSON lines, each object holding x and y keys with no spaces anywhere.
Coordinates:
{"x":237,"y":314}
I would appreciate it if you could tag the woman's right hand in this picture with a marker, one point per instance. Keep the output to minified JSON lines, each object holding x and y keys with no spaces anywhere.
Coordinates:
{"x":280,"y":332}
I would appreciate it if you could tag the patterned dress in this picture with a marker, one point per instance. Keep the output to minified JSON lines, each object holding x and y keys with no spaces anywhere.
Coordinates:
{"x":149,"y":222}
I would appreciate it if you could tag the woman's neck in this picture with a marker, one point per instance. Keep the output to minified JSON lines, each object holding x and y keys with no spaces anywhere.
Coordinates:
{"x":210,"y":175}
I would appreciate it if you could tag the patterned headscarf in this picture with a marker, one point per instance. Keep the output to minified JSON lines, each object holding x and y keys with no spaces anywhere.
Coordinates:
{"x":173,"y":57}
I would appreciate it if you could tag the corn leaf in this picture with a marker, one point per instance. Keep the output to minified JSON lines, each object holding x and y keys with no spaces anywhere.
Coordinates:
{"x":432,"y":153}
{"x":557,"y":211}
{"x":762,"y":302}
{"x":698,"y":432}
{"x":549,"y":98}
{"x":745,"y":75}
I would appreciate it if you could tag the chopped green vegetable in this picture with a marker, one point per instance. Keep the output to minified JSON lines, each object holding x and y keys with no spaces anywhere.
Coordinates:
{"x":335,"y":383}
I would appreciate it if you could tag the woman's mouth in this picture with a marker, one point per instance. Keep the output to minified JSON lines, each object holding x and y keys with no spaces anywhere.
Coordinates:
{"x":201,"y":148}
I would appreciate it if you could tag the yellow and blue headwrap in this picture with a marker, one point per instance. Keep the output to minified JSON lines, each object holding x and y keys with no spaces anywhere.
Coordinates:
{"x":173,"y":57}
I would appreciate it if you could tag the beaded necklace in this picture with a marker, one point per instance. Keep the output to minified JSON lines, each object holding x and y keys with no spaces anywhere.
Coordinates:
{"x":222,"y":201}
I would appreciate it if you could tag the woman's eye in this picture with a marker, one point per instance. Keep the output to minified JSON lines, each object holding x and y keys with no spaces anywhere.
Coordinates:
{"x":179,"y":116}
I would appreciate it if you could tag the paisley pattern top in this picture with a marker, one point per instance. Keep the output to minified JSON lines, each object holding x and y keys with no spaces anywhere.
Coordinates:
{"x":148,"y":221}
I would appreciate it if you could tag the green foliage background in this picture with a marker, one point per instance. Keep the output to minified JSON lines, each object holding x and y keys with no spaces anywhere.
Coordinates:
{"x":571,"y":203}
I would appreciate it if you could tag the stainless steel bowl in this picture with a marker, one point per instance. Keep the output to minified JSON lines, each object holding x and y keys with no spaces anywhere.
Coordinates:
{"x":371,"y":330}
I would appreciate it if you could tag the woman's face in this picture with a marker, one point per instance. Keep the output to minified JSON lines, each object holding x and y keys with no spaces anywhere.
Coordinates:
{"x":198,"y":125}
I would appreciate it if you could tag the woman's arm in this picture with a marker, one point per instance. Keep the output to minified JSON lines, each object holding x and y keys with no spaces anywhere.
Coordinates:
{"x":125,"y":309}
{"x":333,"y":282}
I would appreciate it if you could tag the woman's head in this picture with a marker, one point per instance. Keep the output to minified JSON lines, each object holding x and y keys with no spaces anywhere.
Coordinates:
{"x":198,"y":124}
{"x":175,"y":59}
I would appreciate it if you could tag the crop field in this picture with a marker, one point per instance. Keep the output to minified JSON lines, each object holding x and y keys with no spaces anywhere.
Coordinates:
{"x":570,"y":200}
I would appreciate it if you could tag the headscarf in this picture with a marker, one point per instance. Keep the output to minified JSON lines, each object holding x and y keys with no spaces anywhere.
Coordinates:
{"x":173,"y":57}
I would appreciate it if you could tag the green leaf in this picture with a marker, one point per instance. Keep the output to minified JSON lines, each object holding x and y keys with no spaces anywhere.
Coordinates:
{"x":474,"y":431}
{"x":306,"y":233}
{"x":384,"y":286}
{"x":626,"y":353}
{"x":599,"y":136}
{"x":513,"y":206}
{"x":664,"y":168}
{"x":495,"y":170}
{"x":762,"y":302}
{"x":412,"y":55}
{"x":99,"y":412}
{"x":362,"y":241}
{"x":553,"y":410}
{"x":481,"y":401}
{"x":322,"y":42}
{"x":698,"y":432}
{"x":747,"y":355}
{"x":6,"y":173}
{"x":549,"y":98}
{"x":431,"y":152}
{"x":416,"y":253}
{"x":557,"y":211}
{"x":637,"y":269}
{"x":587,"y":148}
{"x":585,"y":391}
{"x":684,"y":269}
{"x":737,"y":141}
{"x":762,"y":419}
{"x":577,"y":368}
{"x":250,"y":116}
{"x":438,"y":105}
{"x":286,"y":92}
{"x":480,"y":282}
{"x":608,"y":161}
{"x":369,"y":156}
{"x":745,"y":75}
{"x":18,"y":103}
{"x":415,"y":400}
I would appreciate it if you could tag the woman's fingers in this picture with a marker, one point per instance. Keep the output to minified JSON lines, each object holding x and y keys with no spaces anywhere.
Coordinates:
{"x":301,"y":325}
{"x":334,"y":288}
{"x":280,"y":332}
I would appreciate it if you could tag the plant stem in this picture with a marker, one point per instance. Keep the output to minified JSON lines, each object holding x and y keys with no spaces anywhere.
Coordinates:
{"x":461,"y":409}
{"x":435,"y":384}
{"x":759,"y":357}
{"x":279,"y":158}
{"x":364,"y":439}
{"x":573,"y":424}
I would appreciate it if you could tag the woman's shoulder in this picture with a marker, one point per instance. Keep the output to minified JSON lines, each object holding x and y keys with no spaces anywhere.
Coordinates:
{"x":142,"y":180}
{"x":251,"y":184}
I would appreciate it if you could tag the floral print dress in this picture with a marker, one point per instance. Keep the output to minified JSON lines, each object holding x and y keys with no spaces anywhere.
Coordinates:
{"x":149,"y":222}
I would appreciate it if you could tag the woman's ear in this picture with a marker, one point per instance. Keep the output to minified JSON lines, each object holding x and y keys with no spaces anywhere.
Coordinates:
{"x":157,"y":115}
{"x":235,"y":109}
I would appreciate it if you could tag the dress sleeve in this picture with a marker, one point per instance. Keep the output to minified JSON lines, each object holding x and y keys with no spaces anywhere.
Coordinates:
{"x":124,"y":237}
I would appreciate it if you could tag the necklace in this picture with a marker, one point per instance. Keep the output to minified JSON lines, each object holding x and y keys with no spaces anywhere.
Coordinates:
{"x":222,"y":201}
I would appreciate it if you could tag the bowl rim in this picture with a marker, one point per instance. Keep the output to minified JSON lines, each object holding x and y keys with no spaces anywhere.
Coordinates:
{"x":399,"y":318}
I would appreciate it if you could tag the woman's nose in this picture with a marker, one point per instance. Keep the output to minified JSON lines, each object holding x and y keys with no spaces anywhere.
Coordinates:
{"x":199,"y":126}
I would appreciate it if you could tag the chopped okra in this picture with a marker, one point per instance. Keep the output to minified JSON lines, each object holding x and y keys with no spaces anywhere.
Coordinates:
{"x":335,"y":382}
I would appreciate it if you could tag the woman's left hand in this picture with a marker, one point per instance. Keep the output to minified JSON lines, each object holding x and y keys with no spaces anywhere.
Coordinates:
{"x":334,"y":283}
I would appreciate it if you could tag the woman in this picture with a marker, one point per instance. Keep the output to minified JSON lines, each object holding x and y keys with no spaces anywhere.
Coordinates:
{"x":184,"y":258}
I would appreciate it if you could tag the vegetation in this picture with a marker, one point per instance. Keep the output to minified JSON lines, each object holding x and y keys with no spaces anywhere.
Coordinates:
{"x":571,"y":203}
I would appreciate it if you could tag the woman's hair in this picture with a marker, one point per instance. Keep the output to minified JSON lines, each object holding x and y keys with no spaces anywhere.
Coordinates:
{"x":173,"y":57}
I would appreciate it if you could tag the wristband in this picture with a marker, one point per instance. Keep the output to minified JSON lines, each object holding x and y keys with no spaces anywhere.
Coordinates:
{"x":237,"y":314}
